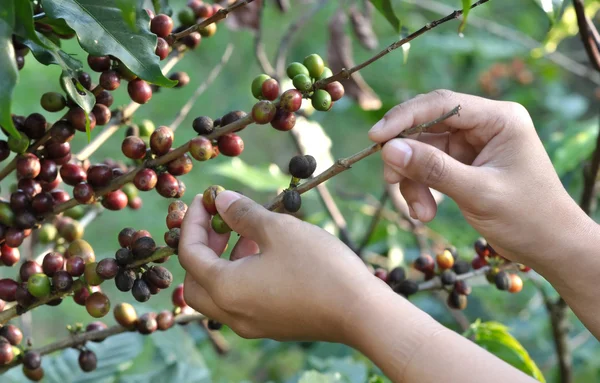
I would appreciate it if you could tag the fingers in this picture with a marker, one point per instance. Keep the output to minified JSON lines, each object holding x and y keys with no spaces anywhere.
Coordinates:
{"x":429,"y":166}
{"x":245,"y":216}
{"x":476,"y":112}
{"x":199,"y":299}
{"x":244,"y":248}
{"x":419,"y":199}
{"x":197,"y":248}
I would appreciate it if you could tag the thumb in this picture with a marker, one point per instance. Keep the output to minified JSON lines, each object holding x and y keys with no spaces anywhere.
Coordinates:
{"x":244,"y":216}
{"x":430,"y":166}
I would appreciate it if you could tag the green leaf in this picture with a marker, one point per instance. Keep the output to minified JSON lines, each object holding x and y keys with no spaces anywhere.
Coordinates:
{"x":162,"y":6}
{"x":264,"y":178}
{"x":385,"y":8}
{"x":466,"y":8}
{"x":317,"y":377}
{"x":101,"y":30}
{"x":575,"y":147}
{"x":495,"y":338}
{"x":68,"y":78}
{"x":24,"y":26}
{"x":128,"y":10}
{"x":59,"y":26}
{"x":9,"y":74}
{"x":553,"y":8}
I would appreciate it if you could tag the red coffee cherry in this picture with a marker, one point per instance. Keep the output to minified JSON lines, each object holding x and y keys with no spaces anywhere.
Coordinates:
{"x":335,"y":90}
{"x":99,"y":175}
{"x":291,"y":100}
{"x":76,"y":116}
{"x":125,"y":236}
{"x":139,"y":91}
{"x":174,"y":219}
{"x":84,"y":193}
{"x":60,"y":196}
{"x":270,"y":89}
{"x":52,"y":263}
{"x":177,"y":297}
{"x":263,"y":112}
{"x":145,"y":179}
{"x":9,"y":255}
{"x":56,"y":150}
{"x":209,"y":196}
{"x":146,"y":323}
{"x":161,"y":140}
{"x":48,"y":171}
{"x":110,"y":80}
{"x":133,"y":147}
{"x":283,"y":120}
{"x":167,"y":186}
{"x":135,"y":203}
{"x":99,"y":63}
{"x":75,"y":266}
{"x":165,"y":320}
{"x":192,"y":40}
{"x":231,"y":145}
{"x":14,"y":237}
{"x":28,"y":269}
{"x":115,"y":200}
{"x":180,"y":166}
{"x":72,"y":174}
{"x":182,"y":79}
{"x":102,"y":114}
{"x":105,"y":98}
{"x":171,"y":237}
{"x":177,"y":206}
{"x":162,"y":48}
{"x":201,"y":148}
{"x":28,"y":166}
{"x":161,"y":25}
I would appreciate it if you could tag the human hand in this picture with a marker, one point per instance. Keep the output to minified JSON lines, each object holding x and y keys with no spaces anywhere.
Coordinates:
{"x":491,"y":162}
{"x":289,"y":280}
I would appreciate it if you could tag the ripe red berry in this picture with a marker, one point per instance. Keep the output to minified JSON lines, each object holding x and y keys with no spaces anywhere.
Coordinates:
{"x":263,"y":112}
{"x":20,"y":201}
{"x":231,"y":145}
{"x":35,"y":126}
{"x":165,"y":320}
{"x":28,"y":166}
{"x":283,"y":120}
{"x":115,"y":200}
{"x":102,"y":114}
{"x":201,"y":148}
{"x":139,"y":91}
{"x":161,"y":140}
{"x":133,"y":147}
{"x":99,"y":175}
{"x":28,"y":269}
{"x":9,"y":255}
{"x":177,"y":297}
{"x":139,"y":234}
{"x":167,"y":186}
{"x":174,"y":219}
{"x":60,"y":196}
{"x":192,"y":40}
{"x":99,"y":63}
{"x":76,"y":116}
{"x":52,"y":263}
{"x":478,"y":263}
{"x":42,"y":204}
{"x":335,"y":90}
{"x":171,"y":237}
{"x":270,"y":89}
{"x":162,"y":48}
{"x":291,"y":100}
{"x":8,"y":289}
{"x":81,"y":295}
{"x":6,"y":352}
{"x":110,"y":80}
{"x":161,"y":25}
{"x":72,"y":174}
{"x":181,"y":165}
{"x":12,"y":334}
{"x":424,"y":263}
{"x":182,"y":79}
{"x":145,"y":179}
{"x":105,"y":98}
{"x":57,"y":150}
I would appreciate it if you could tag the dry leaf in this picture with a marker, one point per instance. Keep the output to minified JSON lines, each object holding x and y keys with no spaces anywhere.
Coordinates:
{"x":339,"y":56}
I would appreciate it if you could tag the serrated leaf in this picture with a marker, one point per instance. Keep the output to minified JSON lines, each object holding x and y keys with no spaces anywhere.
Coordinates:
{"x":24,"y":25}
{"x":495,"y":338}
{"x":68,"y":78}
{"x":466,"y":8}
{"x":128,"y":11}
{"x":102,"y":31}
{"x":553,"y":8}
{"x":385,"y":8}
{"x":9,"y":74}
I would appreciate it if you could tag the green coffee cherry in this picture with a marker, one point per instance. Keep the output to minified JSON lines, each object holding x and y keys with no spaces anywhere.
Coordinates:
{"x":296,"y":68}
{"x":302,"y":82}
{"x":257,"y":84}
{"x":47,"y":233}
{"x":321,"y":100}
{"x":315,"y":65}
{"x":146,"y":127}
{"x":18,"y":145}
{"x":219,"y":225}
{"x":39,"y":285}
{"x":326,"y":73}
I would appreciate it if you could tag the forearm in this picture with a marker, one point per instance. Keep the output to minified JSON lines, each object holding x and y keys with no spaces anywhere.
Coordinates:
{"x":409,"y":346}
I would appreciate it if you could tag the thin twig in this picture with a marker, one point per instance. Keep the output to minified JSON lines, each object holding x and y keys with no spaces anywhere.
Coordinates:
{"x":259,"y":47}
{"x":588,"y":33}
{"x":217,"y":339}
{"x":212,"y":76}
{"x":374,"y":222}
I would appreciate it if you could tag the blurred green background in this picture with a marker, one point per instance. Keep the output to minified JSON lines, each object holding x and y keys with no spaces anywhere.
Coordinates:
{"x":563,"y":107}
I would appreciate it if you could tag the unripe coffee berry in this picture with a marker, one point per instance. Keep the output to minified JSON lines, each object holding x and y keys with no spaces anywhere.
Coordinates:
{"x":209,"y":30}
{"x":291,"y":100}
{"x":18,"y":145}
{"x":445,"y":260}
{"x":295,"y":69}
{"x":257,"y":84}
{"x":302,"y":82}
{"x":139,"y":91}
{"x":263,"y":112}
{"x":315,"y":65}
{"x":38,"y":285}
{"x":201,"y":148}
{"x":321,"y":100}
{"x":209,"y":197}
{"x":326,"y":74}
{"x":219,"y":225}
{"x":53,"y":101}
{"x":231,"y":145}
{"x":516,"y":284}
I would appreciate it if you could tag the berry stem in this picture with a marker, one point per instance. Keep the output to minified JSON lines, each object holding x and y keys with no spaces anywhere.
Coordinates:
{"x":159,"y":253}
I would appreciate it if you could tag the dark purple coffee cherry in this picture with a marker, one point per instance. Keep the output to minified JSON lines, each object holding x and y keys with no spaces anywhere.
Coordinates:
{"x":110,"y":80}
{"x":99,"y":63}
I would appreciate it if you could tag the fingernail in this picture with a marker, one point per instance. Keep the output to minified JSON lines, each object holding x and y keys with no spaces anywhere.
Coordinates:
{"x":225,"y":199}
{"x":401,"y":152}
{"x":412,"y":213}
{"x":378,"y":126}
{"x":419,"y":210}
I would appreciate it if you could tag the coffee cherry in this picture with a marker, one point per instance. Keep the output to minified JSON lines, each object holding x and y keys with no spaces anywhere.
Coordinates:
{"x":445,"y":260}
{"x":481,"y":247}
{"x":62,"y":280}
{"x":321,"y":100}
{"x":174,"y":219}
{"x":42,"y":204}
{"x":6,"y":352}
{"x":490,"y":275}
{"x":201,"y":148}
{"x":424,"y":263}
{"x":140,"y":234}
{"x":134,"y":148}
{"x":102,"y":114}
{"x":72,"y":174}
{"x":87,"y":361}
{"x":295,"y":69}
{"x":80,"y":296}
{"x":167,"y":185}
{"x":9,"y":256}
{"x":315,"y":65}
{"x":107,"y":268}
{"x":396,"y":276}
{"x":124,"y":279}
{"x":181,"y":165}
{"x":32,"y":360}
{"x":231,"y":145}
{"x":115,"y":200}
{"x":132,"y":130}
{"x":326,"y":74}
{"x":406,"y":288}
{"x":292,"y":201}
{"x":219,"y":225}
{"x":125,"y":315}
{"x":99,"y":63}
{"x":97,"y":304}
{"x":478,"y":263}
{"x":302,"y":166}
{"x":182,"y":79}
{"x":462,"y":287}
{"x":232,"y":117}
{"x":162,"y":48}
{"x":25,"y":220}
{"x":335,"y":90}
{"x":302,"y":82}
{"x":461,"y":266}
{"x":71,"y":230}
{"x":145,"y":179}
{"x":161,"y":25}
{"x":457,"y":301}
{"x":91,"y":276}
{"x":516,"y":284}
{"x":4,"y":150}
{"x":160,"y":277}
{"x":291,"y":100}
{"x":39,"y":285}
{"x":192,"y":40}
{"x":203,"y":125}
{"x":28,"y":166}
{"x":104,"y":98}
{"x":153,"y":289}
{"x":147,"y":324}
{"x":172,"y":237}
{"x":143,"y":247}
{"x":52,"y":263}
{"x":99,"y":175}
{"x":53,"y":101}
{"x":270,"y":89}
{"x":140,"y":291}
{"x":209,"y":197}
{"x":8,"y":289}
{"x":125,"y":236}
{"x":139,"y":91}
{"x":448,"y":277}
{"x":76,"y":116}
{"x":209,"y":30}
{"x":110,"y":80}
{"x":283,"y":120}
{"x":85,"y":80}
{"x":257,"y":84}
{"x":14,"y":237}
{"x":12,"y":334}
{"x":96,"y":326}
{"x":186,"y":17}
{"x":177,"y":297}
{"x":34,"y":126}
{"x":35,"y":375}
{"x":28,"y":269}
{"x":165,"y":320}
{"x":263,"y":112}
{"x":124,"y":256}
{"x":75,"y":266}
{"x":58,"y":151}
{"x":20,"y":201}
{"x":502,"y":280}
{"x":48,"y":171}
{"x":161,"y":140}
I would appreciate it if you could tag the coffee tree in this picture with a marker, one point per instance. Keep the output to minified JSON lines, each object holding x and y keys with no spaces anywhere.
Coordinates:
{"x":56,"y":193}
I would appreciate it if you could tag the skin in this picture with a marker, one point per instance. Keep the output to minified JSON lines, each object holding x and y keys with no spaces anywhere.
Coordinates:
{"x":290,"y":280}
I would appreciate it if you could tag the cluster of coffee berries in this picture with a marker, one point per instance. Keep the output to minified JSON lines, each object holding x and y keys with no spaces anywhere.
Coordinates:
{"x":502,"y":279}
{"x":208,"y":200}
{"x":10,"y":340}
{"x":176,"y":212}
{"x":129,"y":274}
{"x":300,"y":167}
{"x":498,"y":77}
{"x":196,"y":12}
{"x":145,"y":324}
{"x":230,"y":144}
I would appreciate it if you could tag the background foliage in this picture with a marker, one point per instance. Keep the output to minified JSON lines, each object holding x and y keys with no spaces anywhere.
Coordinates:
{"x":562,"y":106}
